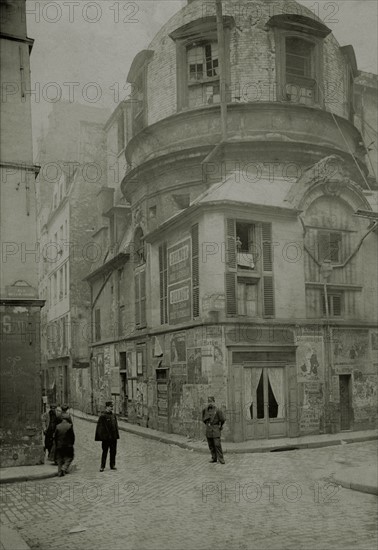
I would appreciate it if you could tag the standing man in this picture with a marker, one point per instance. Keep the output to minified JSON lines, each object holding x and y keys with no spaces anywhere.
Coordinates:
{"x":107,"y":432}
{"x":64,"y":438}
{"x":214,"y":419}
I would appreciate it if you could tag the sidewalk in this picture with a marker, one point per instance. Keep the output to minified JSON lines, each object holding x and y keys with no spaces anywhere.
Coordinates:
{"x":10,"y":539}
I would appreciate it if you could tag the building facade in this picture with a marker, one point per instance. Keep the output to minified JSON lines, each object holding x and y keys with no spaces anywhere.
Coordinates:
{"x":245,"y":274}
{"x":21,"y":398}
{"x":73,"y":169}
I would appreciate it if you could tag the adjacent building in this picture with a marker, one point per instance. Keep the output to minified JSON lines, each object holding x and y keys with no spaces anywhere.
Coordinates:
{"x":242,"y":258}
{"x":20,"y":384}
{"x":73,"y":169}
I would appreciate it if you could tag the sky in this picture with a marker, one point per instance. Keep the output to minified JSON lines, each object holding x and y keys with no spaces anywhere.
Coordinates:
{"x":91,"y":44}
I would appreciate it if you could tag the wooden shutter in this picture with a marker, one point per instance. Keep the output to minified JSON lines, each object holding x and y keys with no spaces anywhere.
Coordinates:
{"x":230,"y":244}
{"x":195,"y":270}
{"x":142,"y":297}
{"x":231,"y":302}
{"x":230,"y":277}
{"x":268,"y":286}
{"x":137,"y":299}
{"x":266,"y":230}
{"x":268,"y":296}
{"x":97,"y":324}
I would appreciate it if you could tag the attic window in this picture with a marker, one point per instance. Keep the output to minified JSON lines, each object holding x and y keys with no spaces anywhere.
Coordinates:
{"x":198,"y":62}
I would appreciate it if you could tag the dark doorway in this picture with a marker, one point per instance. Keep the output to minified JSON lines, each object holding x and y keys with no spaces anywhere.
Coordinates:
{"x":345,"y":401}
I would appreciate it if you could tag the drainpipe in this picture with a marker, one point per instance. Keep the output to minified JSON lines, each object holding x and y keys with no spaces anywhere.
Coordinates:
{"x":222,"y":71}
{"x":222,"y":83}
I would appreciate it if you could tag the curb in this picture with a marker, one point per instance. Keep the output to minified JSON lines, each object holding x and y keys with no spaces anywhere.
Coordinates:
{"x":361,"y":487}
{"x":27,"y":477}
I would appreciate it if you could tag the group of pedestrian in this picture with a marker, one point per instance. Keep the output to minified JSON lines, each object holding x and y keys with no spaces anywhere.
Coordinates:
{"x":60,"y":435}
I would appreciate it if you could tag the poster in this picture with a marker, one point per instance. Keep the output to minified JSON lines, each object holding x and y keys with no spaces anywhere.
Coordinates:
{"x":310,"y":359}
{"x":179,"y":282}
{"x":178,"y":348}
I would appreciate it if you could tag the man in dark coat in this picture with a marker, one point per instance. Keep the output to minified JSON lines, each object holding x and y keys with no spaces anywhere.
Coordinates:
{"x":64,"y":438}
{"x":107,"y":432}
{"x":49,"y":433}
{"x":214,"y":419}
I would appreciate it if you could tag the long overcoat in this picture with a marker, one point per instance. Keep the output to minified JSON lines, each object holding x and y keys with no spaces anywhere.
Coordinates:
{"x":107,"y":427}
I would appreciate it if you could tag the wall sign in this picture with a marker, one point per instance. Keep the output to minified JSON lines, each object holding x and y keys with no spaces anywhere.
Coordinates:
{"x":179,"y":282}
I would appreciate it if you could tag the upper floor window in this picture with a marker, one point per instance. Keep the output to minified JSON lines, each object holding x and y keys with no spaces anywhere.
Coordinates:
{"x":137,"y":77}
{"x":329,"y":246}
{"x":198,"y":62}
{"x":299,"y":58}
{"x":334,"y":304}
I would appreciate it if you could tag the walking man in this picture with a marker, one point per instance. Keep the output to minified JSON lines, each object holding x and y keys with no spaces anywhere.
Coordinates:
{"x":214,"y":419}
{"x":64,"y":438}
{"x":107,"y":432}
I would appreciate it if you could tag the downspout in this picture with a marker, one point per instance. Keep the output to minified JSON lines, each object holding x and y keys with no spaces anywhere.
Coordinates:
{"x":222,"y":82}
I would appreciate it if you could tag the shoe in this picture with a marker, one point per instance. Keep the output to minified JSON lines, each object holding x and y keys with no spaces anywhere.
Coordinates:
{"x":60,"y":474}
{"x":212,"y":461}
{"x":222,"y":462}
{"x":113,"y":468}
{"x":102,"y":469}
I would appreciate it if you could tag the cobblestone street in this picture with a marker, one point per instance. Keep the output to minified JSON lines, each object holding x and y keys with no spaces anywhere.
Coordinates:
{"x":164,"y":498}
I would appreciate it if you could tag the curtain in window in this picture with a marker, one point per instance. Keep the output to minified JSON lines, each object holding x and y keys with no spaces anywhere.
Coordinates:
{"x":251,"y":381}
{"x":276,"y":380}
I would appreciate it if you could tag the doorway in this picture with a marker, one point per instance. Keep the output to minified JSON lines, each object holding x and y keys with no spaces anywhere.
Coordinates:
{"x":265,"y":402}
{"x":345,"y":402}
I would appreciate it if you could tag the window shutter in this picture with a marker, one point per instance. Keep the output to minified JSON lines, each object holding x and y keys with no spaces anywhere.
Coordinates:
{"x":268,"y":296}
{"x":195,"y":270}
{"x":162,"y":281}
{"x":230,"y":244}
{"x":266,"y":230}
{"x":142,"y":296}
{"x":268,"y":287}
{"x":137,"y":299}
{"x":231,"y":303}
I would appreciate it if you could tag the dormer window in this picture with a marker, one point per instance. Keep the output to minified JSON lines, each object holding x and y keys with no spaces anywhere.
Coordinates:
{"x":198,"y":62}
{"x":299,"y":58}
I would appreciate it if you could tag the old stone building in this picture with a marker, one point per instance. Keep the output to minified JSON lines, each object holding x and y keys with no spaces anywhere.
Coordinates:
{"x":21,"y":404}
{"x":242,"y":271}
{"x":73,"y":169}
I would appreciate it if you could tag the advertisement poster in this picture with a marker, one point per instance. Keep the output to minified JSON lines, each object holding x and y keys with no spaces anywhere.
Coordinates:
{"x":179,"y":282}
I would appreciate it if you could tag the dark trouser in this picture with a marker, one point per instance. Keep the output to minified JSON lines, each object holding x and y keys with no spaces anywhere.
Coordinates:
{"x":112,"y":445}
{"x":64,"y":457}
{"x":215,"y":447}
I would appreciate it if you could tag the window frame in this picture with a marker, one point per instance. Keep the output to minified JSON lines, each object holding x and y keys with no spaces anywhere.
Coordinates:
{"x":281,"y":35}
{"x":197,"y":33}
{"x":321,"y":233}
{"x":331,"y":309}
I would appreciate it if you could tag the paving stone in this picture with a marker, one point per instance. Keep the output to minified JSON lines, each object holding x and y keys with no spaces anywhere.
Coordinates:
{"x":165,"y":498}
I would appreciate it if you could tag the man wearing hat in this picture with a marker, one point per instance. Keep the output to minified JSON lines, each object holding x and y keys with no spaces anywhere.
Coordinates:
{"x":107,"y":432}
{"x":66,"y":413}
{"x":213,"y":419}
